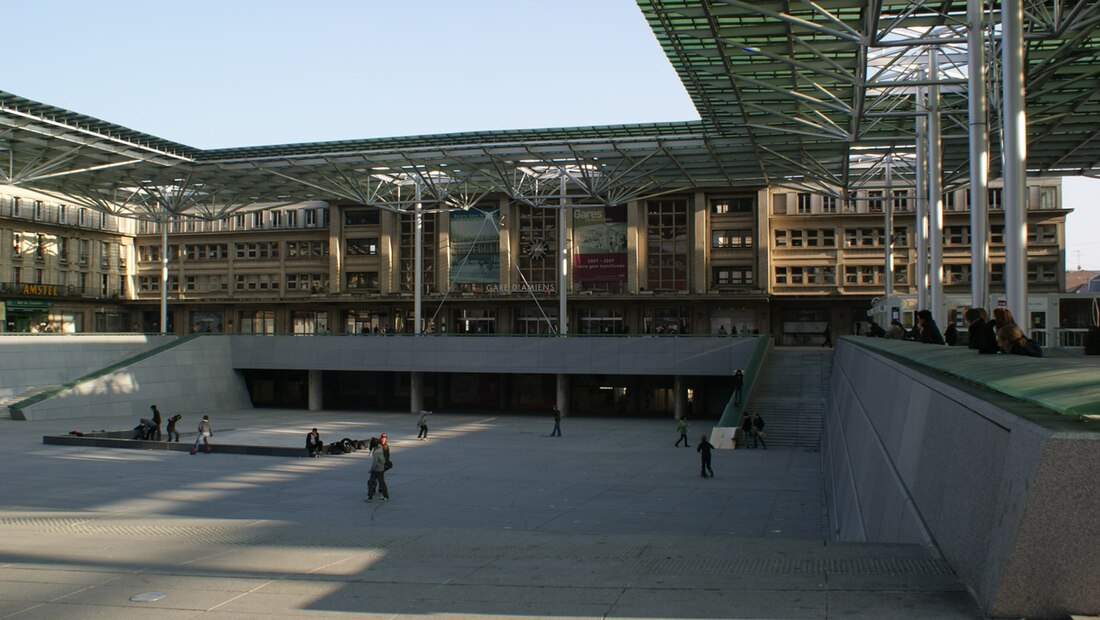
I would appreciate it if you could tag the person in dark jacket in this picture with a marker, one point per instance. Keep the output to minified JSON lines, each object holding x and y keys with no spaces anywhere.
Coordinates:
{"x":758,"y":429}
{"x":927,"y":330}
{"x":157,"y":421}
{"x":982,"y":335}
{"x":828,"y":337}
{"x":172,"y":427}
{"x":1012,"y":340}
{"x":314,"y":445}
{"x":704,"y":449}
{"x":746,"y":428}
{"x":738,"y":384}
{"x":951,"y":335}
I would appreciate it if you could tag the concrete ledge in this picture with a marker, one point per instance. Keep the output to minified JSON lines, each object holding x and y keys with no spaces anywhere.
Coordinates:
{"x":1004,"y":488}
{"x":100,"y":441}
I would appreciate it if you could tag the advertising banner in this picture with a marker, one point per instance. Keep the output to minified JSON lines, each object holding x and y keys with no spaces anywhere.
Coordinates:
{"x":599,"y":250}
{"x":475,"y":247}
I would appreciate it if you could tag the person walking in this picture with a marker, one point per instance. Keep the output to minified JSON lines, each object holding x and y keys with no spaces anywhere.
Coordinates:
{"x":746,"y":428}
{"x":377,"y":481}
{"x":314,"y":445}
{"x":557,"y":423}
{"x":738,"y":384}
{"x":206,"y":431}
{"x":172,"y":427}
{"x":828,"y":337}
{"x":156,"y":421}
{"x":682,"y":428}
{"x":422,"y":424}
{"x":704,"y":449}
{"x":758,"y":429}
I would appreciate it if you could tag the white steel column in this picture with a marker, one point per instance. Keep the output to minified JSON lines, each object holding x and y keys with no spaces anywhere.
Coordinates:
{"x":979,"y":157}
{"x":164,"y":273}
{"x":1015,"y":158}
{"x":418,"y":278}
{"x":888,"y":214}
{"x":921,"y":195}
{"x":563,"y":272}
{"x":935,"y":193}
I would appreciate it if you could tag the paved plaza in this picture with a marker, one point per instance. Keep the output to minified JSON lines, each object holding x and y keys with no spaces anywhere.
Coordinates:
{"x":489,"y":518}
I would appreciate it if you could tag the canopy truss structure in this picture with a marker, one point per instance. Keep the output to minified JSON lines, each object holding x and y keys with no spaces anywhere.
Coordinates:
{"x":797,"y":93}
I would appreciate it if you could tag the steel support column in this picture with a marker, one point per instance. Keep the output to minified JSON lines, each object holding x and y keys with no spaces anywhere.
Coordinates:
{"x":164,"y":273}
{"x":563,"y":272}
{"x":418,"y":277}
{"x":935,"y":194}
{"x":1015,"y":158}
{"x":979,"y":157}
{"x":921,"y":225}
{"x":888,"y":228}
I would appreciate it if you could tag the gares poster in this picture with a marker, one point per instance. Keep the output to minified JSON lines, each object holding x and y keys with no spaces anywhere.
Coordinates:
{"x":599,"y":244}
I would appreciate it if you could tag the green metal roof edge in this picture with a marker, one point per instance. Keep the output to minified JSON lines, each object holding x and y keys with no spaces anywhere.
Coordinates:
{"x":1065,"y":386}
{"x":95,"y":125}
{"x":37,"y":398}
{"x":471,"y":138}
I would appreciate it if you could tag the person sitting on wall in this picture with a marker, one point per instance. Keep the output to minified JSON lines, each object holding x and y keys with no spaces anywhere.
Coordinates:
{"x":983,"y":336}
{"x":1012,"y":340}
{"x":927,"y":331}
{"x":896,"y":331}
{"x":314,"y":445}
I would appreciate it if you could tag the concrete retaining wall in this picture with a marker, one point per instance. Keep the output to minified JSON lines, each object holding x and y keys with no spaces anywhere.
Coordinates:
{"x":618,"y":355}
{"x":194,"y":377}
{"x":1010,"y":504}
{"x":28,"y":361}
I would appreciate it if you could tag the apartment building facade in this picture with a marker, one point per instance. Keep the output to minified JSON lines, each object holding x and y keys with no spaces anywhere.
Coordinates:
{"x":737,"y":260}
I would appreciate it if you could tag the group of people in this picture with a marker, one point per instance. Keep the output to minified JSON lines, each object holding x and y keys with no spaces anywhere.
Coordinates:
{"x":1000,"y":334}
{"x":752,"y":427}
{"x":149,"y":429}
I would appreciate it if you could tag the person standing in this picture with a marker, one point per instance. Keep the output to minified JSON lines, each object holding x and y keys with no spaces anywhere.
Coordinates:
{"x":384,"y":442}
{"x":828,"y":337}
{"x":206,"y":431}
{"x":704,"y":449}
{"x":377,"y":481}
{"x":758,"y":429}
{"x":156,"y":421}
{"x":172,"y":427}
{"x":422,"y":424}
{"x":682,"y":428}
{"x":557,"y":423}
{"x":746,"y":428}
{"x":738,"y":384}
{"x":314,"y":445}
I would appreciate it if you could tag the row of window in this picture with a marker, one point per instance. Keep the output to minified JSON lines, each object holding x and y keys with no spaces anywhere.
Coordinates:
{"x":246,"y":250}
{"x":40,"y":211}
{"x":40,"y":246}
{"x":273,"y":219}
{"x":902,"y":200}
{"x":871,"y":275}
{"x":312,"y":282}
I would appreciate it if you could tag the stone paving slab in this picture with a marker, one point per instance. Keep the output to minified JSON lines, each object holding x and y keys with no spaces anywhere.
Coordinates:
{"x":489,"y":518}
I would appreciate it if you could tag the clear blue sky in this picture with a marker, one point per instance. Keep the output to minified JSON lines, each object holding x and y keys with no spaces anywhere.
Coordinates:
{"x":243,"y":72}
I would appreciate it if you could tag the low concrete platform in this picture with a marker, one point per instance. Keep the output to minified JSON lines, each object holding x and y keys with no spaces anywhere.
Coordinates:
{"x":488,"y":518}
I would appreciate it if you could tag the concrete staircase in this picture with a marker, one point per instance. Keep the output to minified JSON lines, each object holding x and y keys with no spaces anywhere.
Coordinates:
{"x":791,"y":396}
{"x":6,"y":401}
